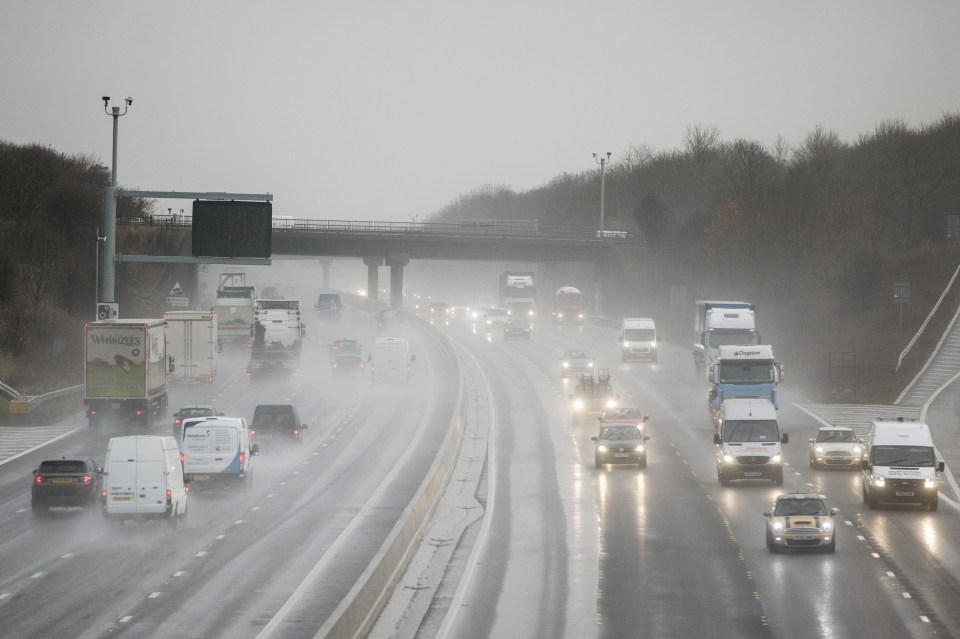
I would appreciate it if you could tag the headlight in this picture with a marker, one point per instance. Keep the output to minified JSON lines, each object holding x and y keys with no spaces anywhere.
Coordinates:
{"x":580,"y":316}
{"x":489,"y":322}
{"x":566,"y":364}
{"x":819,"y":449}
{"x":530,"y":313}
{"x":778,"y":525}
{"x":653,"y":346}
{"x":728,"y":458}
{"x":601,"y":448}
{"x":611,"y":403}
{"x":879,"y":481}
{"x":590,"y":365}
{"x":856,"y":450}
{"x":827,"y":525}
{"x":777,"y":458}
{"x":930,"y":482}
{"x":639,"y":448}
{"x":559,"y":315}
{"x":578,"y":404}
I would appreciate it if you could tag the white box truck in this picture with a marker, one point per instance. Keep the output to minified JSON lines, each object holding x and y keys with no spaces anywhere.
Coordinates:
{"x":142,"y":479}
{"x":192,"y":345}
{"x":721,"y":323}
{"x":900,"y":464}
{"x":748,"y":441}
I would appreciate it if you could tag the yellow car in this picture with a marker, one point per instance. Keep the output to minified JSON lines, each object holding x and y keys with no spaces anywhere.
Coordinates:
{"x":801,"y":520}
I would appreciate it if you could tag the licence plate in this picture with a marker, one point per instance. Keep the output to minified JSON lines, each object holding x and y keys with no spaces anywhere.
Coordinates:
{"x":62,"y":480}
{"x":803,"y":537}
{"x":121,"y":497}
{"x":201,"y":477}
{"x":752,"y":473}
{"x":621,"y":454}
{"x":904,"y":493}
{"x":116,"y":405}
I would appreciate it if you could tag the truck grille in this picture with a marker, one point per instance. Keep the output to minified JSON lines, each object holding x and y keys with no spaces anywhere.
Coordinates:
{"x":752,"y":460}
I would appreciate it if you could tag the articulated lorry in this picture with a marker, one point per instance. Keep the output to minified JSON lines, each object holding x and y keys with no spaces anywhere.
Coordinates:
{"x":743,"y":371}
{"x":277,"y":338}
{"x":126,"y":366}
{"x":192,"y":345}
{"x":722,"y":324}
{"x":517,"y":293}
{"x":568,"y":306}
{"x":234,"y":309}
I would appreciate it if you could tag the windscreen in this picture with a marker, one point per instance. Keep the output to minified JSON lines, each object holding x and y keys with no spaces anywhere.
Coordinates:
{"x":716,"y":339}
{"x":620,"y":433}
{"x":761,"y":373}
{"x":639,"y":335}
{"x":903,"y":456}
{"x":751,"y":430}
{"x":62,"y":466}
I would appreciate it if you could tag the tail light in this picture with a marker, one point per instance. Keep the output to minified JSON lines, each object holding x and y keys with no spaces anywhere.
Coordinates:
{"x":169,"y":497}
{"x":177,"y":421}
{"x":138,"y":412}
{"x":181,"y":458}
{"x":85,"y":479}
{"x":91,"y":412}
{"x":242,"y":457}
{"x":253,"y":431}
{"x":39,"y":479}
{"x":296,"y":433}
{"x":103,"y":497}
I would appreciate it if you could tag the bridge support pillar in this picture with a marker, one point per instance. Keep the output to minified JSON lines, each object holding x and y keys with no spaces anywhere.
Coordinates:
{"x":325,"y":278}
{"x":373,"y":264}
{"x":397,"y":262}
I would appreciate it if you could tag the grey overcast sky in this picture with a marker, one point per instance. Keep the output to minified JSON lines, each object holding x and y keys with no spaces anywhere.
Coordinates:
{"x":384,"y":110}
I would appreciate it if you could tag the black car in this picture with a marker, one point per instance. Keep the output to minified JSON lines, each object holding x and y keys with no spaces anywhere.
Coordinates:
{"x":191,"y":411}
{"x":346,"y":356}
{"x":620,"y":444}
{"x":71,"y":482}
{"x":276,"y":422}
{"x":516,"y":329}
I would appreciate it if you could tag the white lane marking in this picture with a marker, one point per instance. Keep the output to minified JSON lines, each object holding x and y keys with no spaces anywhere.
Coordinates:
{"x":202,"y":553}
{"x":125,"y":619}
{"x":890,"y":574}
{"x":238,"y":522}
{"x":153,"y":595}
{"x":36,"y":575}
{"x":875,"y":555}
{"x":906,"y":595}
{"x":179,"y":573}
{"x":861,"y":538}
{"x":255,"y":508}
{"x":66,"y":556}
{"x":4,"y":595}
{"x":220,"y":537}
{"x":924,"y":619}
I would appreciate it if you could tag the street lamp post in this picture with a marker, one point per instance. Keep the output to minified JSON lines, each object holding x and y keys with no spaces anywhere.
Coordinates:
{"x":110,"y":206}
{"x":602,"y":161}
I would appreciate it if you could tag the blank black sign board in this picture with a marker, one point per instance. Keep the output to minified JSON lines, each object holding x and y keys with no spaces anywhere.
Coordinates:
{"x":231,"y":229}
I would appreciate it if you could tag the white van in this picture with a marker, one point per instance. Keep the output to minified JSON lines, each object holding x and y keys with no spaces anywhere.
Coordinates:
{"x":142,"y":479}
{"x":638,"y":339}
{"x":900,"y":464}
{"x":391,"y":359}
{"x":748,"y":441}
{"x":217,"y":450}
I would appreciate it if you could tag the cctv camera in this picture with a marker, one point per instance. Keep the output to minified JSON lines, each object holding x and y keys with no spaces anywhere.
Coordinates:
{"x":129,"y":101}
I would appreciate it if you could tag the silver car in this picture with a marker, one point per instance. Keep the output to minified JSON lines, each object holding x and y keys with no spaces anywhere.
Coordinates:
{"x":573,"y":362}
{"x":835,"y":447}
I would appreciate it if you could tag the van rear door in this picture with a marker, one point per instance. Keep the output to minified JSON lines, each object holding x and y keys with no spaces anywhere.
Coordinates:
{"x":151,"y":494}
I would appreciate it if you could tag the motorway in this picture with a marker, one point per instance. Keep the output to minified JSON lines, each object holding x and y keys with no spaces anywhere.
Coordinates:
{"x":563,"y":550}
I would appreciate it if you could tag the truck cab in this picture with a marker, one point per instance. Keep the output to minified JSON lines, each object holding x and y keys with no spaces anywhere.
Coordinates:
{"x":743,"y":371}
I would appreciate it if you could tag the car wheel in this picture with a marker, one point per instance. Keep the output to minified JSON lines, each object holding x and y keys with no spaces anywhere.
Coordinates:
{"x":768,"y":539}
{"x":833,"y":545}
{"x":597,"y":463}
{"x":813,"y":463}
{"x":863,"y":491}
{"x":643,"y":462}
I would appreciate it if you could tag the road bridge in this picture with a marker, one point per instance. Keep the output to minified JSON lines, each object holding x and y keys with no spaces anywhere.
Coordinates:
{"x":394,"y":244}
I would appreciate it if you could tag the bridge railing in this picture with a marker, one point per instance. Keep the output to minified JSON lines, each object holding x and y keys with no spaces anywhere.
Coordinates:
{"x":501,"y":229}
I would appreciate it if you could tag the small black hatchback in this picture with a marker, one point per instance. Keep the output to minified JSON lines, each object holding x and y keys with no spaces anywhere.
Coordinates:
{"x":277,"y":422}
{"x":72,"y":482}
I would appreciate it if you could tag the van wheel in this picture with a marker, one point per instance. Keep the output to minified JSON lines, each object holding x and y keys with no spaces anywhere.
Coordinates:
{"x":723,"y":480}
{"x":778,"y":479}
{"x":934,"y":504}
{"x":872,"y":502}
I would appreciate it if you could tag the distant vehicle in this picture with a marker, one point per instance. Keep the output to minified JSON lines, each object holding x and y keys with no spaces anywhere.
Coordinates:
{"x":638,"y":339}
{"x":391,"y":359}
{"x":439,"y":309}
{"x":799,"y":520}
{"x":328,"y":306}
{"x":277,"y":423}
{"x":217,"y":451}
{"x":234,"y":309}
{"x":721,"y":323}
{"x":72,"y":482}
{"x":185,"y":412}
{"x":143,"y":479}
{"x":576,"y":361}
{"x":835,"y":447}
{"x":620,"y":444}
{"x":496,"y":316}
{"x":517,"y":293}
{"x":389,"y":317}
{"x":593,"y":394}
{"x":623,"y":415}
{"x":516,"y":329}
{"x":192,"y":345}
{"x":484,"y":302}
{"x":278,"y":339}
{"x":346,"y":356}
{"x":568,"y":306}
